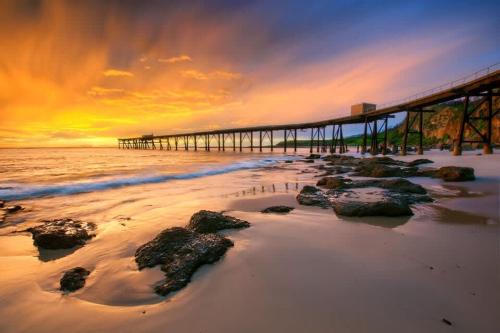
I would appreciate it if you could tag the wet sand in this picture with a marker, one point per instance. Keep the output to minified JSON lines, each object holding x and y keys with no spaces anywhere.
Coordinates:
{"x":308,"y":270}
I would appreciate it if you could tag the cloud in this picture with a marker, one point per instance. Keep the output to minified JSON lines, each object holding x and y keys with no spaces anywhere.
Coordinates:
{"x":173,"y":60}
{"x":101,"y":91}
{"x":117,"y":73}
{"x":197,"y":75}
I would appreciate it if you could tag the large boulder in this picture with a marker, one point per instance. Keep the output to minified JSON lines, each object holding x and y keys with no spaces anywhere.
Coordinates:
{"x":455,"y":174}
{"x":206,"y":221}
{"x":386,"y":207}
{"x":62,"y":233}
{"x":74,"y":279}
{"x":277,"y":209}
{"x":180,"y":252}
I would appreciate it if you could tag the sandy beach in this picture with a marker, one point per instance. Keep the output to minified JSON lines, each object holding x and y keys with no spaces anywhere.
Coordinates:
{"x":309,"y":270}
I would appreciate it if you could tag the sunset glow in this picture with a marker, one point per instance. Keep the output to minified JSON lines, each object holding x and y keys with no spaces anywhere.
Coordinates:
{"x":82,"y":73}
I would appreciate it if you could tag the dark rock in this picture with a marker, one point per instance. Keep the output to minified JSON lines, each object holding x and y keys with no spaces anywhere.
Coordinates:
{"x":307,"y":161}
{"x":446,"y":321}
{"x":382,"y":171}
{"x":313,"y":157}
{"x":288,"y":161}
{"x":383,"y":160}
{"x":455,"y":174}
{"x":313,"y":196}
{"x":400,"y":185}
{"x":277,"y":209}
{"x":2,"y":203}
{"x":334,"y":182}
{"x":419,"y":161}
{"x":308,"y":189}
{"x":386,"y":207}
{"x":206,"y":221}
{"x":180,"y":252}
{"x":13,"y":209}
{"x":62,"y":233}
{"x":74,"y":279}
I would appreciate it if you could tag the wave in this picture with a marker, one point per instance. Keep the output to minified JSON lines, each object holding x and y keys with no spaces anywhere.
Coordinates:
{"x":18,"y":192}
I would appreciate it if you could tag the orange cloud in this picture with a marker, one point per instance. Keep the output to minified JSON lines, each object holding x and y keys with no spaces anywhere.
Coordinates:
{"x":173,"y":60}
{"x":117,"y":73}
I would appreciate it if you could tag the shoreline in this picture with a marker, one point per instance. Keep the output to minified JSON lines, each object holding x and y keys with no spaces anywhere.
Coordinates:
{"x":310,"y":268}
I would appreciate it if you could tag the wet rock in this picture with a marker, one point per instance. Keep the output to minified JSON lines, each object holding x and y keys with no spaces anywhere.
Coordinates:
{"x":384,"y":160}
{"x":74,"y":279}
{"x":381,"y":171}
{"x":386,"y":207}
{"x":2,"y":203}
{"x":307,"y":161}
{"x":206,"y":221}
{"x":12,"y":209}
{"x":399,"y":185}
{"x":313,"y":157}
{"x":313,"y":196}
{"x":180,"y":252}
{"x":455,"y":174}
{"x":419,"y":161}
{"x":277,"y":209}
{"x":288,"y":161}
{"x":334,"y":182}
{"x":62,"y":233}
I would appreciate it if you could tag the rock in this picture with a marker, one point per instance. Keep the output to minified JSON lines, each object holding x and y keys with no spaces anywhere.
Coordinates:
{"x":313,"y":196}
{"x":386,"y":207}
{"x":74,"y":279}
{"x":180,"y":252}
{"x":419,"y":161}
{"x":308,"y":189}
{"x":313,"y":157}
{"x":446,"y":321}
{"x":62,"y":233}
{"x":383,"y":160}
{"x":277,"y":209}
{"x":2,"y":203}
{"x":334,"y":182}
{"x":382,"y":171}
{"x":13,"y":209}
{"x":400,"y":185}
{"x":206,"y":221}
{"x":307,"y":161}
{"x":2,"y":216}
{"x":455,"y":174}
{"x":288,"y":161}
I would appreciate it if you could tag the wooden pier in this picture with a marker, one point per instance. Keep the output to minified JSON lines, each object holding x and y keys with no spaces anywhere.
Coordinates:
{"x":481,"y":87}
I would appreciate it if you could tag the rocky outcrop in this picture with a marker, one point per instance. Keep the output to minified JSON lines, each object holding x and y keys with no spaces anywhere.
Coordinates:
{"x":206,"y":221}
{"x":62,"y":233}
{"x":385,"y":207}
{"x":455,"y":174}
{"x":180,"y":252}
{"x":398,"y":184}
{"x":419,"y":161}
{"x":312,"y":196}
{"x":12,"y":209}
{"x":277,"y":209}
{"x":382,"y":170}
{"x":74,"y":279}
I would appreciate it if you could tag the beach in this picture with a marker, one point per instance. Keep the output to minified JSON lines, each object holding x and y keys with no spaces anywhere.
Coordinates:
{"x":306,"y":271}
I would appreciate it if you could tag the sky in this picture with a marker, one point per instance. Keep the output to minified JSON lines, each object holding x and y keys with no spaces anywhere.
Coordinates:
{"x":82,"y":73}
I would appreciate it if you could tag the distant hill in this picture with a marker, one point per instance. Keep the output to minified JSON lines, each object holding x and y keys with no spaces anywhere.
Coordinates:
{"x":440,"y":127}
